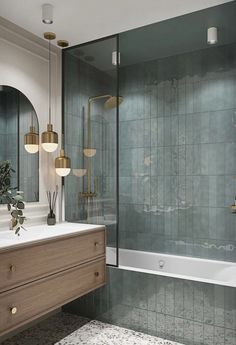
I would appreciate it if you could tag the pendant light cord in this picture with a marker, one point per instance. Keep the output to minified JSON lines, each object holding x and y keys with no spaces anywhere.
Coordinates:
{"x":49,"y":78}
{"x":32,"y":121}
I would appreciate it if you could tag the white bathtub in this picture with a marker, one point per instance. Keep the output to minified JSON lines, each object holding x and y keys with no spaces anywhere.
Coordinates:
{"x":182,"y":267}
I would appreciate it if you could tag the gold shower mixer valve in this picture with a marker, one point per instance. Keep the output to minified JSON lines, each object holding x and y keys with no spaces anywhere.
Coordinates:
{"x":89,"y":193}
{"x":233,"y":207}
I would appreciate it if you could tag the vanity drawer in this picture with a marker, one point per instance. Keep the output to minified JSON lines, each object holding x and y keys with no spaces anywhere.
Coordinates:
{"x":19,"y":266}
{"x":28,"y":302}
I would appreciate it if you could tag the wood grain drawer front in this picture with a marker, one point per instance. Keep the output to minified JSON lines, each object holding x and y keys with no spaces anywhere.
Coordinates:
{"x":23,"y":304}
{"x":32,"y":262}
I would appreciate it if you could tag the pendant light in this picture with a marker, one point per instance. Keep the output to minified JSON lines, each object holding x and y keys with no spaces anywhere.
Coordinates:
{"x":31,"y":139}
{"x":49,"y":137}
{"x":62,"y":163}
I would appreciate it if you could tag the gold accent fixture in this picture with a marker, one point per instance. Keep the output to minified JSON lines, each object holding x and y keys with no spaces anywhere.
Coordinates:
{"x":49,"y":36}
{"x":13,"y":310}
{"x":31,"y":141}
{"x":233,"y":208}
{"x":49,"y":138}
{"x":112,"y":102}
{"x":12,"y":268}
{"x":79,"y":172}
{"x":89,"y":152}
{"x":89,"y":193}
{"x":62,"y":43}
{"x":62,"y":164}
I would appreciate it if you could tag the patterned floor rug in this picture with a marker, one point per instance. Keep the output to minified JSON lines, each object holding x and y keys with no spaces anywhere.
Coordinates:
{"x":67,"y":329}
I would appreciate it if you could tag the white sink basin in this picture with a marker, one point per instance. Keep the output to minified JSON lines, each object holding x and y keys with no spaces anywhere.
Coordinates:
{"x":42,"y":232}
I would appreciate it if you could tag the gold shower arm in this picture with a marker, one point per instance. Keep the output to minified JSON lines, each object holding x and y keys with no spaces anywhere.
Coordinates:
{"x":93,"y":98}
{"x":90,"y":100}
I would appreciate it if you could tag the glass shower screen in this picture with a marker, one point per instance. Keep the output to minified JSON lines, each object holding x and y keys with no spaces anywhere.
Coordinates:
{"x":91,"y":104}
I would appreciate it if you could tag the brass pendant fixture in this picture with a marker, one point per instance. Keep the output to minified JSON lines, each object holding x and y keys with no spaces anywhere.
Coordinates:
{"x":79,"y":172}
{"x":49,"y":137}
{"x":62,"y":164}
{"x":62,"y":43}
{"x":89,"y":152}
{"x":31,"y":141}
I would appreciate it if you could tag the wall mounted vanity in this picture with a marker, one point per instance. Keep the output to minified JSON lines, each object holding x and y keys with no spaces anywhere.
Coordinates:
{"x":47,"y":267}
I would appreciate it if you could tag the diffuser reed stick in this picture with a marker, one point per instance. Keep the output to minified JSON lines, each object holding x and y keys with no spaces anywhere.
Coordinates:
{"x":52,"y":198}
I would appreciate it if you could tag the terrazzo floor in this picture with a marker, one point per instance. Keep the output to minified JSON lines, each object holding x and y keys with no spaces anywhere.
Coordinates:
{"x":67,"y":329}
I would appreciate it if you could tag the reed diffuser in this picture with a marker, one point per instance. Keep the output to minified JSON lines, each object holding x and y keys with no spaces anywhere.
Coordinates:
{"x":52,"y":198}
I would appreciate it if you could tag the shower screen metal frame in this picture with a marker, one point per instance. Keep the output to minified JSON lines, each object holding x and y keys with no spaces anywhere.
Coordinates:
{"x":64,"y":51}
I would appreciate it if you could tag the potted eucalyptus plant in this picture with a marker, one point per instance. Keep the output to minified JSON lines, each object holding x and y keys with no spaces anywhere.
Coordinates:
{"x":15,"y":203}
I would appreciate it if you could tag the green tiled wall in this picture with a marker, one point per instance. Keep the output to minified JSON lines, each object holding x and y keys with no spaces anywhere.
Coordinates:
{"x":178,"y":154}
{"x":191,"y":313}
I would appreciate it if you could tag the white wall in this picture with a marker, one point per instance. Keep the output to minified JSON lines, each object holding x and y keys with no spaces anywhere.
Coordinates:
{"x":24,"y":65}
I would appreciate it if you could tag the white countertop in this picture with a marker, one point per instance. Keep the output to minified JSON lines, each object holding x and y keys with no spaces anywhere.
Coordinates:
{"x":39,"y":233}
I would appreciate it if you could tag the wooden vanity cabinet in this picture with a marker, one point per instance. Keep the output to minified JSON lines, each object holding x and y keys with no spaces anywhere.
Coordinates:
{"x":38,"y":278}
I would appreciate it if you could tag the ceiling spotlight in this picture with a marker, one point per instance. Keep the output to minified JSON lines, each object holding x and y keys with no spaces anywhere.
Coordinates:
{"x":212,"y":35}
{"x":114,"y":58}
{"x":47,"y":14}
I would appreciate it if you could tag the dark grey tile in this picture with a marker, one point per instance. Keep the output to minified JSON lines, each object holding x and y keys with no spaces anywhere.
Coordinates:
{"x":219,"y":306}
{"x":198,"y":303}
{"x":230,"y":308}
{"x":170,"y":296}
{"x":198,"y":336}
{"x":170,"y":327}
{"x":160,"y":325}
{"x":209,"y":301}
{"x":179,"y":298}
{"x":151,"y":323}
{"x":179,"y":329}
{"x":188,"y":331}
{"x":188,"y":300}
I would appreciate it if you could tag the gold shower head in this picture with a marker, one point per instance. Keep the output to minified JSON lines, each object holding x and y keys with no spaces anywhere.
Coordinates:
{"x":112,"y":102}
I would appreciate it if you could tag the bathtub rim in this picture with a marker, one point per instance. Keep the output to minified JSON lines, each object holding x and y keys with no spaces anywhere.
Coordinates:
{"x":175,"y":275}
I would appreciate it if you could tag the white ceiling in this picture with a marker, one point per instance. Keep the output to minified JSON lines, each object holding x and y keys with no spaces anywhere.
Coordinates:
{"x":84,"y":20}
